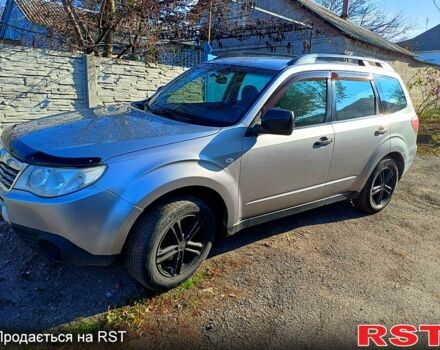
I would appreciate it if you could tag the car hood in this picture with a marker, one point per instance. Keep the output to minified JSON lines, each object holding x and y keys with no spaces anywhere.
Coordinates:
{"x":93,"y":135}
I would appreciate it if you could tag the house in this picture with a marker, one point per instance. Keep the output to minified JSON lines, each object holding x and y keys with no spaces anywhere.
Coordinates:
{"x":296,"y":27}
{"x":426,"y":45}
{"x":28,"y":22}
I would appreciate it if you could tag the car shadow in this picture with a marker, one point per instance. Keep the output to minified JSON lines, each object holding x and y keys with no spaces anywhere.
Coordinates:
{"x":337,"y":212}
{"x":36,"y":294}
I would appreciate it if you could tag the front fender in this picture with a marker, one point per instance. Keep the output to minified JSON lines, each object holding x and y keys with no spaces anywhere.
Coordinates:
{"x":149,"y":187}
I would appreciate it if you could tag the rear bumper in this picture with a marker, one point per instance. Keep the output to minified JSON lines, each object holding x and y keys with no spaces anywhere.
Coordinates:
{"x":60,"y":249}
{"x":410,"y":157}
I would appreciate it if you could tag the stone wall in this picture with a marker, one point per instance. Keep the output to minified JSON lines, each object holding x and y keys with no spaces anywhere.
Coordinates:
{"x":35,"y":83}
{"x":112,"y":81}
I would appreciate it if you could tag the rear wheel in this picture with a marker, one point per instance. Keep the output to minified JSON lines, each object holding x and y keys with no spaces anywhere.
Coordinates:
{"x":380,"y":187}
{"x":169,"y":242}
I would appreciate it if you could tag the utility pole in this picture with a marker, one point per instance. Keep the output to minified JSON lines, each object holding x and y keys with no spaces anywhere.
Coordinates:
{"x":210,"y":22}
{"x":345,"y":9}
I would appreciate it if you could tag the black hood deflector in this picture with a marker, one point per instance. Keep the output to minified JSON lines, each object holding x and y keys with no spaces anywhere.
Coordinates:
{"x":29,"y":155}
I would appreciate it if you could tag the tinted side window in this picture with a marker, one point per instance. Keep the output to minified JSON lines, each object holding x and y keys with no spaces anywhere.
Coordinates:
{"x":308,"y":100}
{"x":354,"y":99}
{"x":391,"y":94}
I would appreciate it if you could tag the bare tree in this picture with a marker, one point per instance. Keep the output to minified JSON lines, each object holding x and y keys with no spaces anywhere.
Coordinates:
{"x":371,"y":15}
{"x":125,"y":27}
{"x":107,"y":18}
{"x":436,"y":4}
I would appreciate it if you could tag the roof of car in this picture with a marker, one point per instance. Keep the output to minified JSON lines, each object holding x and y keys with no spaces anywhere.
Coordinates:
{"x":279,"y":62}
{"x":274,"y":62}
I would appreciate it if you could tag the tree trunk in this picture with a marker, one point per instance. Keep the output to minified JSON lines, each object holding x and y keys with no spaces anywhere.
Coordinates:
{"x":109,"y":17}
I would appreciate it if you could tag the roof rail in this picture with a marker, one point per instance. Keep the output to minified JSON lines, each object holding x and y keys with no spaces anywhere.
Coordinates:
{"x":355,"y":60}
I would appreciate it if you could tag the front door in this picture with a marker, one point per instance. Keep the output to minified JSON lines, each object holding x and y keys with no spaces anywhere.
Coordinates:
{"x":279,"y":172}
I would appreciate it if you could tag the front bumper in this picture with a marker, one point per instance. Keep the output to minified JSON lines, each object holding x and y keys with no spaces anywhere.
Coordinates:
{"x":60,"y":249}
{"x":88,"y":227}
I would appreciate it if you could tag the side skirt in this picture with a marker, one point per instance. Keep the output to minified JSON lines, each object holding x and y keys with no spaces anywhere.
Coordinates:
{"x":279,"y":214}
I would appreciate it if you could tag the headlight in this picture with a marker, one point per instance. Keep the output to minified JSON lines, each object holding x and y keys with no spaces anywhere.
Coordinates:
{"x":54,"y":182}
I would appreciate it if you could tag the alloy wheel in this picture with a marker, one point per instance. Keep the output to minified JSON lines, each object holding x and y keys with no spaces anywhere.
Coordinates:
{"x":383,"y":187}
{"x":181,"y":246}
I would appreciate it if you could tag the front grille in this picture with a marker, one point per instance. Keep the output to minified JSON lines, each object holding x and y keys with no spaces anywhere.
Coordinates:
{"x":7,"y":175}
{"x":10,"y":169}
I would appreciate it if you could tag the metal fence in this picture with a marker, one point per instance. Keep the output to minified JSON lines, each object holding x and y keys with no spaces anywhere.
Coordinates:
{"x":187,"y":58}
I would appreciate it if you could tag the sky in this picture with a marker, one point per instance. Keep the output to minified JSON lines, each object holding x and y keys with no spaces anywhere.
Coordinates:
{"x":416,"y":11}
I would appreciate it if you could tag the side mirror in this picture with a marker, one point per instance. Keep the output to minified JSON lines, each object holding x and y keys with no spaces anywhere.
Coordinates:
{"x":277,"y":121}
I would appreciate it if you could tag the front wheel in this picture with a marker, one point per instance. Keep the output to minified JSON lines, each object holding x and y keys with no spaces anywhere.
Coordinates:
{"x":380,"y":187}
{"x":169,"y":242}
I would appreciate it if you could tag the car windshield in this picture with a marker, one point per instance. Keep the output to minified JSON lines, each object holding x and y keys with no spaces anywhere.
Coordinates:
{"x":211,"y":94}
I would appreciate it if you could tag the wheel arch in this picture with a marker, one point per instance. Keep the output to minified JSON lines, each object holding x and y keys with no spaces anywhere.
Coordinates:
{"x":211,"y":196}
{"x":375,"y":160}
{"x":400,"y":161}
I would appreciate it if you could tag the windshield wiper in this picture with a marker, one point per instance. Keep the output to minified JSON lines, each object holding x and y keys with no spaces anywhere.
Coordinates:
{"x":168,"y":114}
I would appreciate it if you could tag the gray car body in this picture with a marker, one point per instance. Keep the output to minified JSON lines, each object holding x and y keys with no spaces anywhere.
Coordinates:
{"x":258,"y":178}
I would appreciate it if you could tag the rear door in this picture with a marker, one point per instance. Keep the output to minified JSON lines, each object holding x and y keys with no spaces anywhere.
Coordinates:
{"x":360,"y":129}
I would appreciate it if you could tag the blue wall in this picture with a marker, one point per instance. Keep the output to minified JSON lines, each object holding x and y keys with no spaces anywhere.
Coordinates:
{"x":15,"y":26}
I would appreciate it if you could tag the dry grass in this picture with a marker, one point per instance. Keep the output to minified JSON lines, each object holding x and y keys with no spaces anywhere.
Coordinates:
{"x":180,"y":308}
{"x":429,"y":136}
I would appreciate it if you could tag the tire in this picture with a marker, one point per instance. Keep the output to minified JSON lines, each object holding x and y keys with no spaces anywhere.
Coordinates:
{"x":155,"y":253}
{"x":379,"y":189}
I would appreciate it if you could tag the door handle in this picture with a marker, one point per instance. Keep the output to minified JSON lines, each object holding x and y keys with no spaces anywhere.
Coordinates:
{"x":322,"y":142}
{"x":380,"y":131}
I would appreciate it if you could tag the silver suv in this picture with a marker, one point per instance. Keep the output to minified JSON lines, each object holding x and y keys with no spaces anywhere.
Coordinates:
{"x":227,"y":145}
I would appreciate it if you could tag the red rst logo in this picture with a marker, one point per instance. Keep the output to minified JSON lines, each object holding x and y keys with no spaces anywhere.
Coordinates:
{"x":401,"y":335}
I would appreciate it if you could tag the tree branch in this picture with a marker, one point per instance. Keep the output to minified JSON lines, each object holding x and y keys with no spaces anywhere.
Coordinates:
{"x":67,"y":4}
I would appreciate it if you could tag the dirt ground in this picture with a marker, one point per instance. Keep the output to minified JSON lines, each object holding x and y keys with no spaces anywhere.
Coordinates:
{"x":305,"y":282}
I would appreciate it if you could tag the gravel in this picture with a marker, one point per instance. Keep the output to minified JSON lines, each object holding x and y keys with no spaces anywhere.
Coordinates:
{"x":304,"y":281}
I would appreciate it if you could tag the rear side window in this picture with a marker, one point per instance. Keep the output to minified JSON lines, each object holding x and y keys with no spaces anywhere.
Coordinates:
{"x":391,"y":94}
{"x":308,"y":100}
{"x":354,"y":99}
